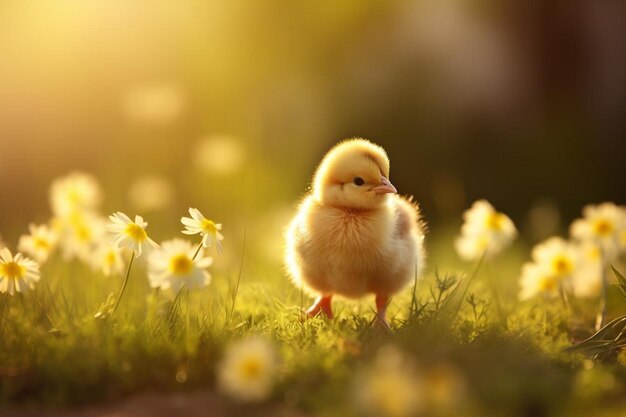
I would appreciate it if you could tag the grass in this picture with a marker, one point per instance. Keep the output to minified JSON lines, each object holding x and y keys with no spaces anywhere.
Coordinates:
{"x":60,"y":344}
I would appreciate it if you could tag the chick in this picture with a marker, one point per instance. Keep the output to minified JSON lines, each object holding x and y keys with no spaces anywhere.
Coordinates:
{"x":353,"y":235}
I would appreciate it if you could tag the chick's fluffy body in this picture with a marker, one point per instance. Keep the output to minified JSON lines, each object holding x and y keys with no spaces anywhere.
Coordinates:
{"x":349,"y":241}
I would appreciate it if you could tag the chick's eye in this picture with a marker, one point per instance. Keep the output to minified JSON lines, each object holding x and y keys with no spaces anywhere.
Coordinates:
{"x":358,"y":181}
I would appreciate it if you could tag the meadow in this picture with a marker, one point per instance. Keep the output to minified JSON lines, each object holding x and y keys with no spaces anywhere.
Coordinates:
{"x":153,"y":153}
{"x":469,"y":338}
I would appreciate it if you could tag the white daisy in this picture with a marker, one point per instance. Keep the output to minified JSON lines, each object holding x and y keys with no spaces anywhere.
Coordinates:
{"x":587,"y":280}
{"x":248,"y":370}
{"x":555,"y":261}
{"x":604,"y":224}
{"x":536,"y":280}
{"x":471,"y":247}
{"x":39,"y":243}
{"x":76,"y":191}
{"x":198,"y":224}
{"x":108,"y":259}
{"x":80,"y":232}
{"x":391,"y":386}
{"x":17,"y":274}
{"x":130,"y":234}
{"x":446,"y":388}
{"x":173,"y":266}
{"x":559,"y":257}
{"x":484,"y":231}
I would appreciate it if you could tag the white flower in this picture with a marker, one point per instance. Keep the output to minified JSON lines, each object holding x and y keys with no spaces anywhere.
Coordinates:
{"x":604,"y":224}
{"x":484,"y":231}
{"x":130,"y":234}
{"x":536,"y":279}
{"x":558,"y":256}
{"x":108,"y":259}
{"x":248,"y":370}
{"x":446,"y":388}
{"x":80,"y":232}
{"x":173,"y":266}
{"x":74,"y":192}
{"x":555,"y":261}
{"x":17,"y":274}
{"x":198,"y":224}
{"x":587,"y":280}
{"x":39,"y":243}
{"x":471,"y":247}
{"x":391,"y":387}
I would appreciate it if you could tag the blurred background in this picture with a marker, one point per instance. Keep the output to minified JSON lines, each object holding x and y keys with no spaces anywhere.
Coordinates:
{"x":229,"y":106}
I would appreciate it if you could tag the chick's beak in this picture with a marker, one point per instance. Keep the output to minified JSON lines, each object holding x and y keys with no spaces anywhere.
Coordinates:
{"x":385,"y":187}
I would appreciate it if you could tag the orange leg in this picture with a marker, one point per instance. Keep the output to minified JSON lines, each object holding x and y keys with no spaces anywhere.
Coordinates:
{"x":382,"y":301}
{"x":321,"y":305}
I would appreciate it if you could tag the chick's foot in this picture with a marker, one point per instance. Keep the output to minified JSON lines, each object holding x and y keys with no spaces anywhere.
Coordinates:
{"x":321,"y":305}
{"x":381,"y":310}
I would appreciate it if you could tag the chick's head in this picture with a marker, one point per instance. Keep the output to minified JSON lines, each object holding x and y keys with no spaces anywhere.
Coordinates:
{"x":353,"y":174}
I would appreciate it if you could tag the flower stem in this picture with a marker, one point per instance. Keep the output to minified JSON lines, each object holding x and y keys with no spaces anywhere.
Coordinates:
{"x":603,"y":295}
{"x":119,"y":297}
{"x":197,"y":251}
{"x":236,"y":290}
{"x":4,"y":306}
{"x":564,"y":297}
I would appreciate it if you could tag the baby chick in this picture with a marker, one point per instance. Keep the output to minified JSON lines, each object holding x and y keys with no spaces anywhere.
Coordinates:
{"x":353,"y":235}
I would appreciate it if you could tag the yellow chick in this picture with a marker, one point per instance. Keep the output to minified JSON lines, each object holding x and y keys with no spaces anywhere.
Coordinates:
{"x":353,"y":235}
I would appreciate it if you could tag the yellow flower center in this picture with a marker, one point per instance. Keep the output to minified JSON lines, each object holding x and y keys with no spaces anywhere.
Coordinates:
{"x":180,"y":264}
{"x":12,"y":270}
{"x":73,"y":196}
{"x":548,"y":284}
{"x":75,"y":218}
{"x":251,"y":368}
{"x":603,"y":227}
{"x":110,"y":257}
{"x":41,"y":243}
{"x":562,"y":265}
{"x":495,"y":221}
{"x":208,"y":226}
{"x":482,"y":243}
{"x":593,"y":253}
{"x":83,"y":233}
{"x":390,"y":393}
{"x":136,"y":232}
{"x":442,"y":385}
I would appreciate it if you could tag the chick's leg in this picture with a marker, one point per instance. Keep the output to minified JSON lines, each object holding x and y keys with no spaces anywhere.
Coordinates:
{"x":382,"y":301}
{"x":321,"y":305}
